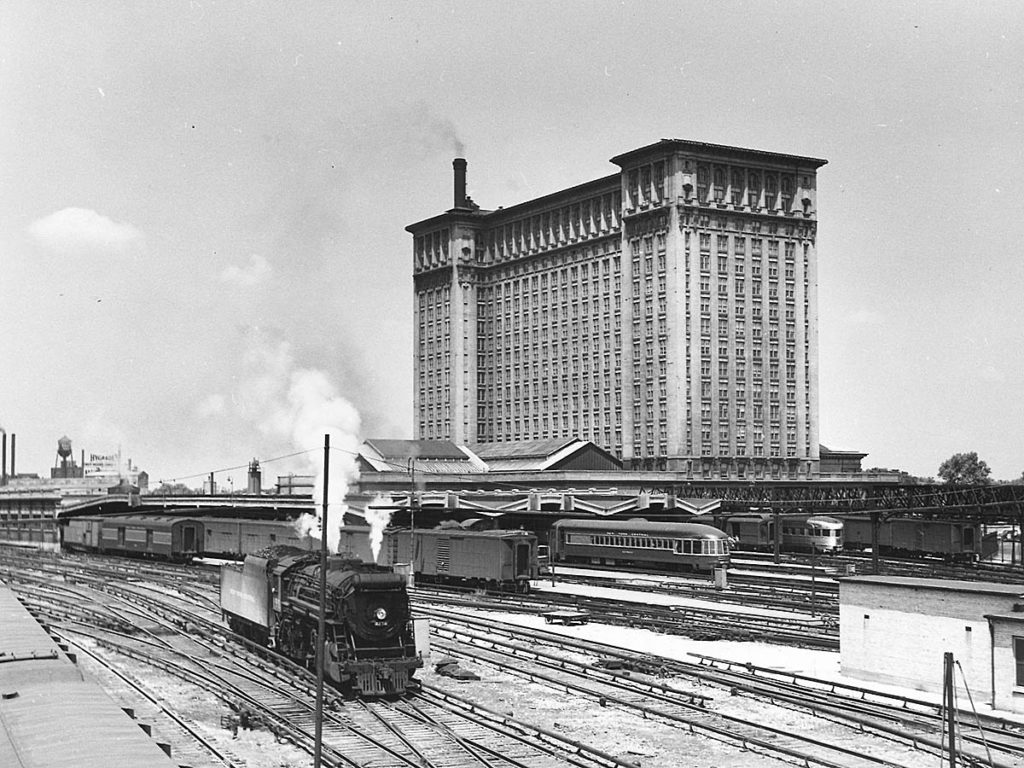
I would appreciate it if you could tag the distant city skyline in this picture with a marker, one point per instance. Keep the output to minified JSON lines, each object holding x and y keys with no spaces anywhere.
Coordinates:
{"x":202,"y":247}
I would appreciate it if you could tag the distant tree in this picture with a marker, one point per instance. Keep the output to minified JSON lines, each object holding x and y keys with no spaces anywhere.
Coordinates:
{"x":965,"y":469}
{"x":173,"y":489}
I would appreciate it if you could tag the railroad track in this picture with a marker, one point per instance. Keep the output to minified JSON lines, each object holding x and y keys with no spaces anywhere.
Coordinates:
{"x":569,"y":664}
{"x":698,"y":622}
{"x":754,"y":592}
{"x":152,"y":625}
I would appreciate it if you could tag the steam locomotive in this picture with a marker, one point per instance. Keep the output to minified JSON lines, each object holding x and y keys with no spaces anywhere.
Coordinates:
{"x":273,"y":598}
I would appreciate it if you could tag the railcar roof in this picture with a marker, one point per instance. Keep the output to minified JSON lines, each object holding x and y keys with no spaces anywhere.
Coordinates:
{"x":941,"y":585}
{"x":644,"y":526}
{"x":151,"y":521}
{"x":58,"y":719}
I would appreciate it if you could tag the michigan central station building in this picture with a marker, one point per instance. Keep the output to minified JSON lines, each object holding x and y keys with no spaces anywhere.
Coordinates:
{"x":666,"y":312}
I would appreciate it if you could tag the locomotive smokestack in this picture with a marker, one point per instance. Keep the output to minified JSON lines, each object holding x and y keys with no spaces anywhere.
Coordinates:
{"x":459,"y":164}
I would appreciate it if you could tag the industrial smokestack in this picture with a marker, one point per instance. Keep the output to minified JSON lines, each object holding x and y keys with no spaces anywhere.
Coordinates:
{"x":255,"y":477}
{"x":3,"y":461}
{"x":459,"y":164}
{"x":13,"y":438}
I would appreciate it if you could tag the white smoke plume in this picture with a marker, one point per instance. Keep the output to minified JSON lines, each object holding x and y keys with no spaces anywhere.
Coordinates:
{"x":293,"y":408}
{"x":378,"y":520}
{"x":316,"y":409}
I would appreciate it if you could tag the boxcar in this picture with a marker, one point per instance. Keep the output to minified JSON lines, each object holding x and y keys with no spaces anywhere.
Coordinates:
{"x":238,"y":537}
{"x":501,"y":559}
{"x":676,"y":546}
{"x":157,"y":536}
{"x":959,"y":540}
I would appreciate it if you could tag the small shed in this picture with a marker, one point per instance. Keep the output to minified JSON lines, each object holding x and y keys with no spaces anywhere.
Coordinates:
{"x":896,"y":629}
{"x":1007,"y":632}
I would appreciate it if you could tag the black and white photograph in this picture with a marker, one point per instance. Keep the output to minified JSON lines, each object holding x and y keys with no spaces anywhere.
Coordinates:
{"x":449,"y":384}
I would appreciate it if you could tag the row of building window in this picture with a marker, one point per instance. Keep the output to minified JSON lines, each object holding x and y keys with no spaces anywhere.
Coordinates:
{"x":597,"y":216}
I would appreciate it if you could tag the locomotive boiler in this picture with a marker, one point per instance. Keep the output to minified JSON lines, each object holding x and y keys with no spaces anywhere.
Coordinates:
{"x":274,"y":599}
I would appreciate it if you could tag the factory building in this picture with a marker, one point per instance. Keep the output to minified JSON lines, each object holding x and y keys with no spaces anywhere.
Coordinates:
{"x":666,"y":312}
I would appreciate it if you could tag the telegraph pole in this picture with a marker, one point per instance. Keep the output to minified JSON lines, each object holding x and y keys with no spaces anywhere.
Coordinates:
{"x":778,"y":534}
{"x":322,"y":624}
{"x":949,"y":701}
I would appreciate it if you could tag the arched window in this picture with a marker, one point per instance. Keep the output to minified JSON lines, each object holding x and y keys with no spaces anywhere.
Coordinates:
{"x":754,"y":190}
{"x":702,"y":183}
{"x":771,"y":191}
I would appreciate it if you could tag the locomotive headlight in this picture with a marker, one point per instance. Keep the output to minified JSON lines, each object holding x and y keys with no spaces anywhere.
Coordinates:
{"x":380,"y":614}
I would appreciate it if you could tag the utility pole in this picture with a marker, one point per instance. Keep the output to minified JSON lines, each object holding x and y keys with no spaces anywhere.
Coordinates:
{"x":875,"y":525}
{"x":412,"y":520}
{"x":777,"y":534}
{"x":322,"y":623}
{"x":949,"y":703}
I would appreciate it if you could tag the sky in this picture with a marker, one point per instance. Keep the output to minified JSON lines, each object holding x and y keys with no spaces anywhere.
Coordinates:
{"x":202,"y":204}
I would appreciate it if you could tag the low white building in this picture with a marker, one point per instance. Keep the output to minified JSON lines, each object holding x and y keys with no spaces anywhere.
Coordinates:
{"x":896,"y":630}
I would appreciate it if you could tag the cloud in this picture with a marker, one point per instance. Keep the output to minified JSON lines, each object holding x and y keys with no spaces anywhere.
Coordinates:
{"x":254,"y":272}
{"x":866,"y":317}
{"x":82,"y":229}
{"x":212,"y":405}
{"x":992,"y":374}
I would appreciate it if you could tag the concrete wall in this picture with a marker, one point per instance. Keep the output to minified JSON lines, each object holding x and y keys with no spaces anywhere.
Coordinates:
{"x":898,"y":633}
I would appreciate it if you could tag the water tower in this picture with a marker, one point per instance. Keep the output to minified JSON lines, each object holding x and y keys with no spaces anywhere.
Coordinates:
{"x":65,"y":465}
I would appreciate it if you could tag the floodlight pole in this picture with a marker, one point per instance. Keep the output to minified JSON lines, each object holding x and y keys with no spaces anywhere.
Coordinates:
{"x":322,"y":623}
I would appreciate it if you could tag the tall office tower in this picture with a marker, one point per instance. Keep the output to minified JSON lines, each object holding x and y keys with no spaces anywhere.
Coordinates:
{"x":667,"y":312}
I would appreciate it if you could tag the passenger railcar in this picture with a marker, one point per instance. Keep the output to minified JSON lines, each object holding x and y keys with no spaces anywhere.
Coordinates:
{"x":370,"y":646}
{"x":800,"y":533}
{"x":955,"y":540}
{"x":156,"y":536}
{"x":677,"y":546}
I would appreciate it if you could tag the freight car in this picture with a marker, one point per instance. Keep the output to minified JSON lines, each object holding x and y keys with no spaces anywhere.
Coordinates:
{"x":51,"y":714}
{"x":231,"y":537}
{"x":156,"y":536}
{"x":369,"y":646}
{"x":800,"y":533}
{"x":500,"y":560}
{"x":954,"y":540}
{"x":677,"y":546}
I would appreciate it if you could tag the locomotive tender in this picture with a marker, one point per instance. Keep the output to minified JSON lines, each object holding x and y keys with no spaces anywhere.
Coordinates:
{"x":680,"y":546}
{"x":369,"y":649}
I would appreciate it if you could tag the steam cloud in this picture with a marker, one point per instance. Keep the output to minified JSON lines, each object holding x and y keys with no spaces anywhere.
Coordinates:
{"x":317,"y":410}
{"x":378,"y":520}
